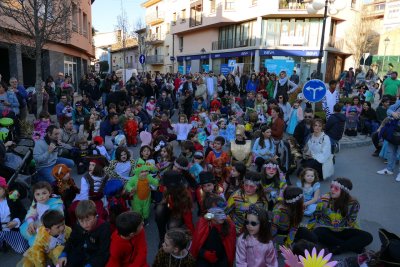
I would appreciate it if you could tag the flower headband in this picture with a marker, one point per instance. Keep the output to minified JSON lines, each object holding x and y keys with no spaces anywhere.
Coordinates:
{"x":341,"y":186}
{"x":215,"y":213}
{"x":252,"y":210}
{"x":251,"y":182}
{"x":176,"y":164}
{"x":271,"y":165}
{"x":294,"y":200}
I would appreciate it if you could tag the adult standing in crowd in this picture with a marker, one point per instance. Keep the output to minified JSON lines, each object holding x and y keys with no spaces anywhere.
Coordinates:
{"x":211,"y":85}
{"x":284,"y":86}
{"x":45,"y":154}
{"x":21,"y":95}
{"x":295,"y":78}
{"x":165,"y":103}
{"x":330,"y":99}
{"x":349,"y":82}
{"x":391,"y":85}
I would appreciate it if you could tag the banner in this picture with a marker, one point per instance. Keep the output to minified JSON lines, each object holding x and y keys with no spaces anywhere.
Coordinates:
{"x":206,"y":67}
{"x":225,"y":69}
{"x":180,"y":69}
{"x":278,"y":65}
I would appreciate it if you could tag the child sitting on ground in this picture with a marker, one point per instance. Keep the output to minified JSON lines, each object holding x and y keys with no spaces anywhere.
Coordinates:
{"x":351,"y":122}
{"x":89,"y":242}
{"x":43,"y":200}
{"x":49,"y":242}
{"x":175,"y":250}
{"x":100,"y":148}
{"x":41,"y":125}
{"x":217,"y":152}
{"x":128,"y":243}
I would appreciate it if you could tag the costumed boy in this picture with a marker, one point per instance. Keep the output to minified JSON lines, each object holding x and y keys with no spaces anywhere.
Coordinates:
{"x":139,"y":187}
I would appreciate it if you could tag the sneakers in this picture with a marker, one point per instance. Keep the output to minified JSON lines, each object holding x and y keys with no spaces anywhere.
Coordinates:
{"x":398,"y":177}
{"x":385,"y":171}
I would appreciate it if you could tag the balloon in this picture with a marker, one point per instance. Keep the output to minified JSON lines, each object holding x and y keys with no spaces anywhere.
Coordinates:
{"x":318,"y":4}
{"x":311,"y":10}
{"x":340,"y":4}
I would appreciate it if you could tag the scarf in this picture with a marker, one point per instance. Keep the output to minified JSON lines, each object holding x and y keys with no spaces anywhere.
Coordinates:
{"x":282,"y":81}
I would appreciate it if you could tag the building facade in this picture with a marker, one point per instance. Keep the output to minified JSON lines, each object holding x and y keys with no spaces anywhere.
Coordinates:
{"x":253,"y":34}
{"x":71,"y":57}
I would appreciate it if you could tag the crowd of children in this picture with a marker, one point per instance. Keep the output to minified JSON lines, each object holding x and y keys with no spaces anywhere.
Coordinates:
{"x":230,"y":169}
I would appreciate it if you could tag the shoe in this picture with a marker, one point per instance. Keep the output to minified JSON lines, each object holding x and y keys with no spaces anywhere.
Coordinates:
{"x":376,"y":153}
{"x":385,"y":172}
{"x":398,"y":177}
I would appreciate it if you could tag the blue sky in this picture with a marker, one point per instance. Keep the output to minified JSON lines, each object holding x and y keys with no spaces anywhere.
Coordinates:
{"x":105,"y":13}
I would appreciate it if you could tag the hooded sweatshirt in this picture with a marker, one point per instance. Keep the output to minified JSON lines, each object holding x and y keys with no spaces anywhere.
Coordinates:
{"x":334,"y":127}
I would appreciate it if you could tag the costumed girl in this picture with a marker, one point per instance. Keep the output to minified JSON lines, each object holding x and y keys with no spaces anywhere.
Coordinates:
{"x":43,"y":200}
{"x":121,"y":166}
{"x":287,"y":216}
{"x":12,"y":213}
{"x":240,"y":201}
{"x":215,"y":238}
{"x":311,"y":189}
{"x":296,"y":116}
{"x":207,"y":185}
{"x":240,"y":147}
{"x":64,"y":184}
{"x":234,"y":181}
{"x":273,"y":182}
{"x":335,"y":220}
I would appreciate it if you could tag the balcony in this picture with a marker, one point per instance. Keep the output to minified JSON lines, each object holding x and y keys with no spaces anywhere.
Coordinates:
{"x":149,"y":3}
{"x":156,"y":38}
{"x":155,"y":59}
{"x":292,"y":4}
{"x":154,"y":18}
{"x":335,"y":42}
{"x":233,"y":43}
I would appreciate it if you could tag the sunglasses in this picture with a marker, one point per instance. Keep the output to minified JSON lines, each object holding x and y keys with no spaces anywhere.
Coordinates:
{"x":307,"y":117}
{"x":280,"y":97}
{"x":252,"y":223}
{"x":335,"y":188}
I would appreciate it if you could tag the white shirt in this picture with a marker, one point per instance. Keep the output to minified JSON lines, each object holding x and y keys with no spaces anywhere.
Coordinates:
{"x":5,"y":215}
{"x":330,"y":101}
{"x":210,"y":86}
{"x":85,"y":187}
{"x":123,"y":169}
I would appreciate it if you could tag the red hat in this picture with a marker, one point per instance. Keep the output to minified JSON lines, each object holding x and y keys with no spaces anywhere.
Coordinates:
{"x":98,"y":140}
{"x":3,"y":182}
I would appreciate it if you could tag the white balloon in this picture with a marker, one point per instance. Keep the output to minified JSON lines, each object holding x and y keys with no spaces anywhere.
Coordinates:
{"x":333,"y":10}
{"x":318,"y":4}
{"x":340,"y":4}
{"x":311,"y":10}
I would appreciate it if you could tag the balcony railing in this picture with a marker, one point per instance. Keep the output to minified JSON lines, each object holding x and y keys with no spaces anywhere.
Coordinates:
{"x":233,"y":43}
{"x":155,"y":59}
{"x":292,"y":4}
{"x":154,"y":18}
{"x":196,"y":21}
{"x":156,"y":37}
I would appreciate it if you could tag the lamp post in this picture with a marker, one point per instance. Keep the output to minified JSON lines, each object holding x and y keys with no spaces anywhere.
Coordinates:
{"x":386,"y":42}
{"x":334,"y":7}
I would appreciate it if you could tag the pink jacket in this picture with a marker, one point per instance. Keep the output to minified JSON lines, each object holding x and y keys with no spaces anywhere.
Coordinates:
{"x":250,"y":252}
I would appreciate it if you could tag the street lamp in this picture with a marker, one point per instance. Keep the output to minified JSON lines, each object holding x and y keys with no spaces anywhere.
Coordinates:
{"x":386,"y":42}
{"x":334,"y":7}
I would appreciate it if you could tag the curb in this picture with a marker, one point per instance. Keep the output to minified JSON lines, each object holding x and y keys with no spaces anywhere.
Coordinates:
{"x":355,"y":143}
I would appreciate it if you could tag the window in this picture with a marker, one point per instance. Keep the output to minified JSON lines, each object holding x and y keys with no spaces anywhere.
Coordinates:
{"x":196,"y":14}
{"x":353,"y":3}
{"x":174,"y":18}
{"x":230,"y":4}
{"x":212,"y":6}
{"x":168,"y":27}
{"x":84,"y":25}
{"x":75,"y":20}
{"x":80,"y":20}
{"x":183,"y":15}
{"x":181,"y":43}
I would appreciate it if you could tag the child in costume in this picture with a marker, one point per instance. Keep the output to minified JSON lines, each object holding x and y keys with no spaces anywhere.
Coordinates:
{"x":119,"y":141}
{"x":273,"y":182}
{"x":116,"y":202}
{"x":64,"y":184}
{"x":295,"y":116}
{"x":12,"y":214}
{"x":351,"y":122}
{"x":207,"y":185}
{"x":175,"y":250}
{"x":89,"y":242}
{"x":235,"y":179}
{"x":41,"y":125}
{"x":131,"y":129}
{"x":223,"y":129}
{"x":215,"y":238}
{"x":100,"y":148}
{"x":187,"y":150}
{"x":151,"y":106}
{"x":43,"y":200}
{"x":92,"y":185}
{"x":311,"y":189}
{"x":166,"y":159}
{"x":255,"y":247}
{"x":121,"y":167}
{"x":128,"y":244}
{"x":197,"y":165}
{"x":139,"y":187}
{"x":49,"y":242}
{"x":217,"y":152}
{"x":240,"y":201}
{"x":182,"y":128}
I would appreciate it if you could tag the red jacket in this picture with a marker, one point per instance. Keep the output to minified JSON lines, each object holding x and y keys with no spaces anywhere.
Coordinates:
{"x":128,"y":253}
{"x":201,"y":234}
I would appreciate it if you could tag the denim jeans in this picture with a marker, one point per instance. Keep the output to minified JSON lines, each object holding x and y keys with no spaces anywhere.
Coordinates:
{"x":391,"y":154}
{"x":44,"y":174}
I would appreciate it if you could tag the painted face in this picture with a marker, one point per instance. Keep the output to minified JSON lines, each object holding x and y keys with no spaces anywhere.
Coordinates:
{"x":207,"y":188}
{"x":335,"y":191}
{"x":146,"y":153}
{"x":92,"y":165}
{"x":271,"y":170}
{"x":309,"y":177}
{"x":252,"y":224}
{"x":163,"y":153}
{"x":57,"y":229}
{"x":250,"y":188}
{"x":88,"y":223}
{"x":223,"y":125}
{"x":42,"y":195}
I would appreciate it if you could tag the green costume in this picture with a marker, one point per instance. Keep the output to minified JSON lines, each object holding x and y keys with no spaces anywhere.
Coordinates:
{"x":142,"y":197}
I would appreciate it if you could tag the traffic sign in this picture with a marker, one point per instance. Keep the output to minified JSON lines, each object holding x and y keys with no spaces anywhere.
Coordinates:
{"x":142,"y":59}
{"x":314,"y":90}
{"x":172,"y":58}
{"x":232,"y":63}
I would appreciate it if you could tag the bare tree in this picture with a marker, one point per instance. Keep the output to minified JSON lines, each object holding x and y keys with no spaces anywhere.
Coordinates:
{"x":37,"y":22}
{"x":362,"y":37}
{"x":143,"y":35}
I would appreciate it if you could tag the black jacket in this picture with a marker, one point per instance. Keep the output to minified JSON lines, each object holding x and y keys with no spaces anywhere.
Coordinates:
{"x":85,"y":247}
{"x":186,"y":87}
{"x":301,"y":132}
{"x":334,"y":127}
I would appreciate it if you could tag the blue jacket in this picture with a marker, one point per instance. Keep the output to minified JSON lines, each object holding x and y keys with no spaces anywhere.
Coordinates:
{"x":393,"y":108}
{"x":13,"y":100}
{"x":267,"y":152}
{"x":106,"y":128}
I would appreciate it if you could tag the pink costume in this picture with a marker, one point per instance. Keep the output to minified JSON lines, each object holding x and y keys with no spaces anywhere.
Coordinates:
{"x":250,"y":252}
